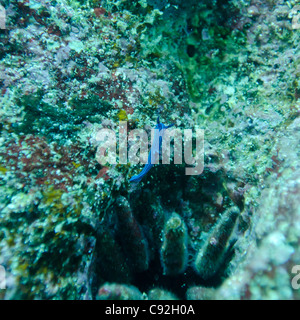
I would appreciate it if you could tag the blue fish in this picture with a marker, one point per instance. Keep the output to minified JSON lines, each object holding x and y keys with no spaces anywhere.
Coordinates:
{"x":154,"y":151}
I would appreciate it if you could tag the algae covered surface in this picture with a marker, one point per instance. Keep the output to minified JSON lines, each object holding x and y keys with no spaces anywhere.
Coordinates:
{"x":72,"y":228}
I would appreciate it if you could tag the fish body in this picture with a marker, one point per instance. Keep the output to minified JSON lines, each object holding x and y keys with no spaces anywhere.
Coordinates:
{"x":155,"y":151}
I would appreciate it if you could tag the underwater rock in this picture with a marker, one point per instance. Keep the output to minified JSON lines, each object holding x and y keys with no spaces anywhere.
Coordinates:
{"x":115,"y":291}
{"x":212,"y":254}
{"x":161,"y":294}
{"x":174,"y":254}
{"x":201,"y":293}
{"x":110,"y":261}
{"x":131,"y":236}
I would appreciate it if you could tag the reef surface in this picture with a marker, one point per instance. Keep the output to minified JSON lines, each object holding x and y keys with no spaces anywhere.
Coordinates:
{"x":71,"y":228}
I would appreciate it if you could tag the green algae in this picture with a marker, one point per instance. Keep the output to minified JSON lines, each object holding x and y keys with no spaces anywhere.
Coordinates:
{"x":47,"y":119}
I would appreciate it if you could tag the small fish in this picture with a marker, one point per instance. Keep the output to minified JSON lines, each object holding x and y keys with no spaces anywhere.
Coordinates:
{"x":154,"y":152}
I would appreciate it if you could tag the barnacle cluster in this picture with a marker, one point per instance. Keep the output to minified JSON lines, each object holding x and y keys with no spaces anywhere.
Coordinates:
{"x":146,"y":243}
{"x":154,"y":240}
